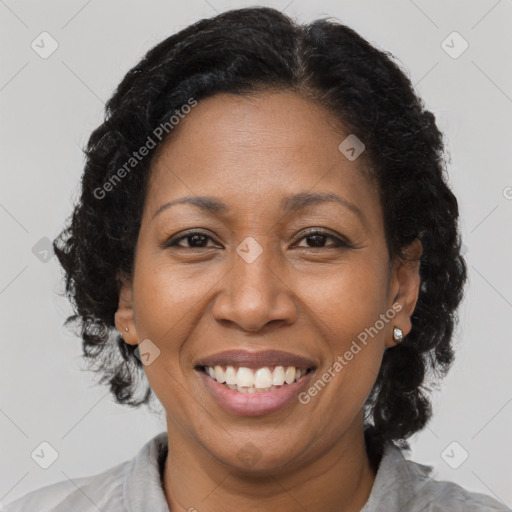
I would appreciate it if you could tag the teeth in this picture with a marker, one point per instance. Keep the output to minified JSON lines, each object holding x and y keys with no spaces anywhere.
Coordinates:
{"x":279,"y":376}
{"x":262,"y":378}
{"x":230,"y":376}
{"x":245,"y":377}
{"x":248,"y":380}
{"x":289,"y":375}
{"x":220,"y":376}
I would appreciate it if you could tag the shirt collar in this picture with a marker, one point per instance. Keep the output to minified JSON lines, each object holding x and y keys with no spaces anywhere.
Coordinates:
{"x":142,"y":485}
{"x":397,"y":482}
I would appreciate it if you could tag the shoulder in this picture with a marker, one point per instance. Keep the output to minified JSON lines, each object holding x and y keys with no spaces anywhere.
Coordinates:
{"x":402,"y":484}
{"x":441,"y":496}
{"x":130,"y":486}
{"x":90,"y":493}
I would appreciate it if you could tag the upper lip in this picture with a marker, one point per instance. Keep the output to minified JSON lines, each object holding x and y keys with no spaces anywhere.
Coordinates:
{"x":256,"y":359}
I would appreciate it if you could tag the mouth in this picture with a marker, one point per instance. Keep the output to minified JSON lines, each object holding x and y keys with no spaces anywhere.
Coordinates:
{"x":252,"y":384}
{"x":255,"y":380}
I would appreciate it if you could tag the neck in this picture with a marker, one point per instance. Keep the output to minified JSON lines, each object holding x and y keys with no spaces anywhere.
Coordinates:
{"x":339,"y":480}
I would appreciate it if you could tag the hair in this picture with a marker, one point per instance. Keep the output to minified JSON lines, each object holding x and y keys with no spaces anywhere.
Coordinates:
{"x":253,"y":50}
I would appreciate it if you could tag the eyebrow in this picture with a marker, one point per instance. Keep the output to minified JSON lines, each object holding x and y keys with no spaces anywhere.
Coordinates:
{"x":289,"y":204}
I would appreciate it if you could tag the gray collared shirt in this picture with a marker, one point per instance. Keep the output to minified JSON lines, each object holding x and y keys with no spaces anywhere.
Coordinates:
{"x":136,"y":486}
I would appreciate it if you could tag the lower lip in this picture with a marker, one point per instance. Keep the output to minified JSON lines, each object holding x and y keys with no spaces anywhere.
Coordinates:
{"x":254,"y":404}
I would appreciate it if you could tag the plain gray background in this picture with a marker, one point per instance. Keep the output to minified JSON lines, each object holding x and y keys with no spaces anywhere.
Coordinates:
{"x":48,"y":107}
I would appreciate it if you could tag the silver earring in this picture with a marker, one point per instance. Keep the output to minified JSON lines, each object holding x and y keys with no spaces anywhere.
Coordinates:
{"x":398,"y":334}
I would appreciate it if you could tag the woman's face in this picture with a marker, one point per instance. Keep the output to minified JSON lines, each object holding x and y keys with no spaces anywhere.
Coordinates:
{"x":253,"y":281}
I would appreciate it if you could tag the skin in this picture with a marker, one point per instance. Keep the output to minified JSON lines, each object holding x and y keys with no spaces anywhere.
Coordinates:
{"x":312,"y":300}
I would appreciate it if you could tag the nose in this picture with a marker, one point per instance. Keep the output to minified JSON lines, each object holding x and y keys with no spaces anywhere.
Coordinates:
{"x":255,"y":294}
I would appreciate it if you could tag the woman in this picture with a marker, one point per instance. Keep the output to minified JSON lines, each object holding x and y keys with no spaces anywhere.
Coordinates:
{"x":266,"y":222}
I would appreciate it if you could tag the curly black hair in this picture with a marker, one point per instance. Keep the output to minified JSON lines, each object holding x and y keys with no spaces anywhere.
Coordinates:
{"x":241,"y":52}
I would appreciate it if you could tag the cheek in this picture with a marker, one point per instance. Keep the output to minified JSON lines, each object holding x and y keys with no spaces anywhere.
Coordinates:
{"x":167,"y":298}
{"x":349,"y":307}
{"x":165,"y":303}
{"x":350,"y":300}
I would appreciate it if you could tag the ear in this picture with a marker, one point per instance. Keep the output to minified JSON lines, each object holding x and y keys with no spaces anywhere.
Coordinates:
{"x":124,"y":316}
{"x":404,"y":288}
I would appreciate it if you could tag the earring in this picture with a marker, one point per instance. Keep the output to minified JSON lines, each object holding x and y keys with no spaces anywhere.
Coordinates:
{"x":398,"y":334}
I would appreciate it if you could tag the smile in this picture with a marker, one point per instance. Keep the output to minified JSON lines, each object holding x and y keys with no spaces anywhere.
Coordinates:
{"x":247,"y":383}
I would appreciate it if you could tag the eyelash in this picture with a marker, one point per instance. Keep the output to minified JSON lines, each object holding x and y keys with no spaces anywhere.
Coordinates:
{"x":339,"y":242}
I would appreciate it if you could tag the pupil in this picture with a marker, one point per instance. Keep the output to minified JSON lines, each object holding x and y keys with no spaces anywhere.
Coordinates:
{"x":195,"y":237}
{"x":318,"y":240}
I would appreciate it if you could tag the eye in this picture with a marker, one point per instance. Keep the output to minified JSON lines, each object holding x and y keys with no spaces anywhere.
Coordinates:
{"x":196,"y":240}
{"x":317,"y":238}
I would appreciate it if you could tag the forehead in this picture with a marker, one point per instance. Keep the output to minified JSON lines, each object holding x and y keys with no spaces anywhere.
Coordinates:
{"x":254,"y":150}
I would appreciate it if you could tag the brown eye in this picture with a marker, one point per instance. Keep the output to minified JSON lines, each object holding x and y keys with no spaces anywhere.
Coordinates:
{"x":195,"y":239}
{"x":317,"y":239}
